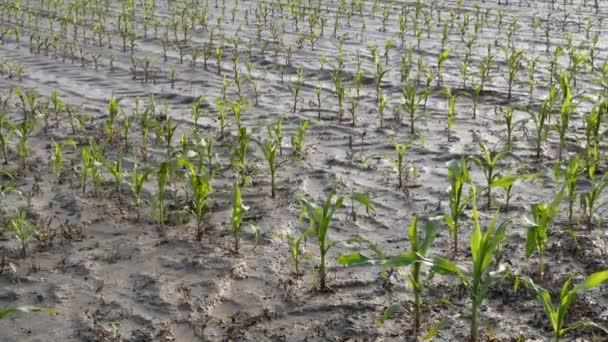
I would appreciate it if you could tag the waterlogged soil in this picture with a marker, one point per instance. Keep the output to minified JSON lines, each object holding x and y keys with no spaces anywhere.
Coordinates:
{"x":110,"y":277}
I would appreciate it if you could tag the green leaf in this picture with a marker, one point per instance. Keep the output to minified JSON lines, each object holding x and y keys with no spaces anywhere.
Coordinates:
{"x":388,"y":313}
{"x":355,"y":258}
{"x":531,"y":241}
{"x":364,"y":200}
{"x":595,"y":279}
{"x":402,"y":260}
{"x":435,"y":329}
{"x":504,"y":182}
{"x":25,"y":308}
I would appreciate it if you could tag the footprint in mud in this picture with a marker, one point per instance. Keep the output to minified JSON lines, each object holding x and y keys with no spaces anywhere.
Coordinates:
{"x":66,"y":202}
{"x":147,"y":292}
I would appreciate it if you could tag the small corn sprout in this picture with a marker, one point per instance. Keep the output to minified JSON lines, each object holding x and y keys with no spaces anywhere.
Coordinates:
{"x":320,"y":222}
{"x":483,"y":248}
{"x":458,"y":176}
{"x":238,"y":216}
{"x":542,"y":217}
{"x":136,"y":180}
{"x":57,"y":161}
{"x":297,"y":140}
{"x":22,"y":230}
{"x":557,"y":313}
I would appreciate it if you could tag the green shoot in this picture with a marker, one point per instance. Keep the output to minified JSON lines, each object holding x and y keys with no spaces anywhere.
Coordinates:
{"x":542,"y":217}
{"x":320,"y":223}
{"x":557,"y":313}
{"x":458,"y":176}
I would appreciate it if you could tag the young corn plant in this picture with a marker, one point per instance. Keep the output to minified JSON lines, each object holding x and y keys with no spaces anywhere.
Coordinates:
{"x":136,"y":179}
{"x":483,"y":249}
{"x":296,"y":87}
{"x":458,"y":177}
{"x":540,"y":120}
{"x":566,"y":111}
{"x":441,"y":58}
{"x":357,"y":200}
{"x":557,"y":314}
{"x":237,"y":218}
{"x":488,"y":163}
{"x":23,"y":132}
{"x":320,"y":218}
{"x":113,"y":109}
{"x":399,"y":162}
{"x":589,"y":200}
{"x":239,"y":160}
{"x":571,"y":175}
{"x":411,"y":102}
{"x":542,"y":216}
{"x":451,"y":98}
{"x":196,"y":110}
{"x":22,"y":230}
{"x":57,"y":160}
{"x":7,"y":130}
{"x":200,"y":183}
{"x":163,"y":173}
{"x":514,"y":63}
{"x":419,"y":249}
{"x":275,"y":132}
{"x":297,"y":140}
{"x":294,"y":243}
{"x":115,"y":169}
{"x":270,"y":153}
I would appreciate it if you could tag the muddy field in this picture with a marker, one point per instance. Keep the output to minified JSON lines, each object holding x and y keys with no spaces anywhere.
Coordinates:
{"x":112,"y":277}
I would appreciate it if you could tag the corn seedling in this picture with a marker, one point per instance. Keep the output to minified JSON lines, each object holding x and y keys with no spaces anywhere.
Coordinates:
{"x":514,"y":62}
{"x":532,"y":65}
{"x":113,"y":109}
{"x":222,"y":116}
{"x":136,"y":180}
{"x":196,"y":110}
{"x":557,"y":314}
{"x":57,"y":160}
{"x":451,"y":99}
{"x":357,"y":200}
{"x":320,"y":223}
{"x":115,"y":169}
{"x":542,"y":216}
{"x":6,"y":132}
{"x":488,"y":163}
{"x":239,"y":160}
{"x":419,"y":249}
{"x":294,"y":243}
{"x":541,"y":118}
{"x":238,"y":216}
{"x":399,"y":162}
{"x":441,"y":58}
{"x":571,"y":175}
{"x":163,"y":173}
{"x":276,"y":132}
{"x":411,"y":102}
{"x":270,"y":152}
{"x":23,"y":132}
{"x":22,"y":230}
{"x":200,"y":183}
{"x":458,"y":177}
{"x":567,"y":107}
{"x":297,"y":140}
{"x":589,"y":200}
{"x":483,"y":249}
{"x":169,"y":132}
